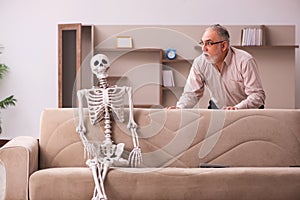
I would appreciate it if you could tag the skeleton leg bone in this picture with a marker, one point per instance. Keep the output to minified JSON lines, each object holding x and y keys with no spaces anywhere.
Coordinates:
{"x":98,"y":195}
{"x":102,"y":170}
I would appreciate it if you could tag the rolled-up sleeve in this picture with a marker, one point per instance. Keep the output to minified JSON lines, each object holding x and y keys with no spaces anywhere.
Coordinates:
{"x":253,"y":87}
{"x":194,"y":88}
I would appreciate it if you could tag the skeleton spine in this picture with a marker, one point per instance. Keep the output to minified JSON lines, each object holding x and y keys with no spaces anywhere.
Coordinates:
{"x":102,"y":83}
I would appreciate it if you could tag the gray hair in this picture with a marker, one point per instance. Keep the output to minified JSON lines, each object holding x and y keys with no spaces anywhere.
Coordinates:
{"x":221,"y":30}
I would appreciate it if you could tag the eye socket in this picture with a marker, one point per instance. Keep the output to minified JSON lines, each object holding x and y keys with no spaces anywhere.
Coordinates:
{"x":96,"y":63}
{"x":104,"y":61}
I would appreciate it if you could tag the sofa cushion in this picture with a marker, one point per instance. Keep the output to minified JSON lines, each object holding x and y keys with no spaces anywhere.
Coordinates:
{"x":61,"y":183}
{"x":169,"y":183}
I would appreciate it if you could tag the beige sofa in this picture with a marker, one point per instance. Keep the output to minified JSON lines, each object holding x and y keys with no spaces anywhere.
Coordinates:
{"x":257,"y":146}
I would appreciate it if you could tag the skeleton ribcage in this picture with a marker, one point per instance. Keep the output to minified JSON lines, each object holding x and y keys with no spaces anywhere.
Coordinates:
{"x":101,"y":100}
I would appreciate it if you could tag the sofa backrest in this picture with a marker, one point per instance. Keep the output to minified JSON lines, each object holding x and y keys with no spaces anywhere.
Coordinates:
{"x":182,"y":138}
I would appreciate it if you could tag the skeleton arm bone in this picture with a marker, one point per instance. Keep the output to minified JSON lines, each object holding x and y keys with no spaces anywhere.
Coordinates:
{"x":132,"y":126}
{"x":80,"y":128}
{"x":135,"y":156}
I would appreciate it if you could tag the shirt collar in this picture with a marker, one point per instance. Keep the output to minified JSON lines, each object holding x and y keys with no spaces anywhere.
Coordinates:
{"x":228,"y":57}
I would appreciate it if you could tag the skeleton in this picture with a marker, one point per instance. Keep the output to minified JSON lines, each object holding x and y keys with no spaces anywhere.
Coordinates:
{"x":102,"y":101}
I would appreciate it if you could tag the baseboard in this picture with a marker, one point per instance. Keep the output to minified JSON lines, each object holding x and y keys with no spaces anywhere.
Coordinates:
{"x":3,"y":142}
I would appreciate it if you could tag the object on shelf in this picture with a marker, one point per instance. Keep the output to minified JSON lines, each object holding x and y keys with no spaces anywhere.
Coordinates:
{"x":171,"y":53}
{"x":124,"y":42}
{"x":168,"y":79}
{"x":253,"y":36}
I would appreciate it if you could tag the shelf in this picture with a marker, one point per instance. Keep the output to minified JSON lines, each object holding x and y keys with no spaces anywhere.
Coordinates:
{"x":177,"y":60}
{"x":171,"y":88}
{"x":263,"y":46}
{"x":128,"y":49}
{"x":267,"y":46}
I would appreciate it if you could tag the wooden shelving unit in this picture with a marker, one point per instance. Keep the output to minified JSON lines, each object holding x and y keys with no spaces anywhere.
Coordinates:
{"x":141,"y":66}
{"x":74,"y":45}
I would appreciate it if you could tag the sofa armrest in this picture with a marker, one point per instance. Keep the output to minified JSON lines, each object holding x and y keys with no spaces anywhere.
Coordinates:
{"x":19,"y":159}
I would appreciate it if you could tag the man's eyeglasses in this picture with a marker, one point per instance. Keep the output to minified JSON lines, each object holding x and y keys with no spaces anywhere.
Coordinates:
{"x":209,"y":43}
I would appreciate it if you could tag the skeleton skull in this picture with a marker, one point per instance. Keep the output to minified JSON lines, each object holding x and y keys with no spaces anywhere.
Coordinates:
{"x":99,"y":65}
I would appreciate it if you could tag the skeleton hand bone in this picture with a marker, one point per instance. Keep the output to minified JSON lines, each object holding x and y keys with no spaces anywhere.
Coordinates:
{"x":135,"y":157}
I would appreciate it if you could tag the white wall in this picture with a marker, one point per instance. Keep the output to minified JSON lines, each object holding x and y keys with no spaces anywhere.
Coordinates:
{"x":29,"y":34}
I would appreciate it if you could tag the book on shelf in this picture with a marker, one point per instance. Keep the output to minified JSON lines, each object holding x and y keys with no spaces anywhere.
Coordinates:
{"x":168,"y":78}
{"x":253,"y":36}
